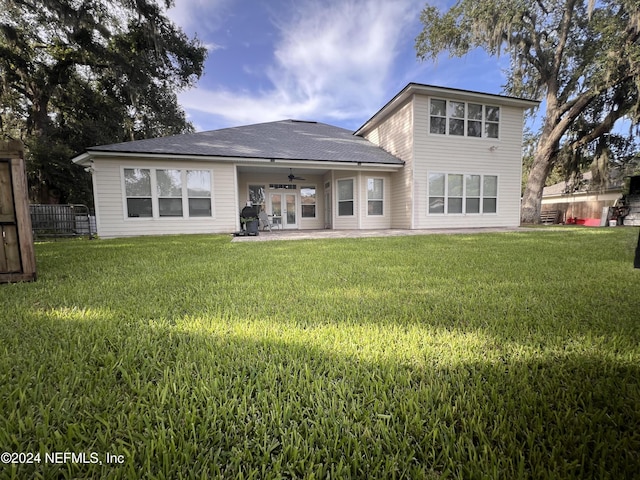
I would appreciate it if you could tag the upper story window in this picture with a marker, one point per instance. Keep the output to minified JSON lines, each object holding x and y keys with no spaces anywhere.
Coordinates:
{"x":449,"y":117}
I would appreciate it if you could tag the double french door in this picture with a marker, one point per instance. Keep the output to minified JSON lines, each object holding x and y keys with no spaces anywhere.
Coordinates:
{"x":284,"y":208}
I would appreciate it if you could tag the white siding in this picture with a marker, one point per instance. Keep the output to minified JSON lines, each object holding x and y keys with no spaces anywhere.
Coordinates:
{"x":482,"y":156}
{"x":112,"y":220}
{"x":374,"y":221}
{"x":351,"y":222}
{"x":395,"y":135}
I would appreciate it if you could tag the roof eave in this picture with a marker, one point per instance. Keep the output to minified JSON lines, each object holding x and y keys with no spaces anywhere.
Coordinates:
{"x":85,"y":159}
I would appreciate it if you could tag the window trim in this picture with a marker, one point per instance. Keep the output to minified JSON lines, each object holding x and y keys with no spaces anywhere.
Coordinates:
{"x":381,"y":200}
{"x":315,"y":204}
{"x":464,"y":197}
{"x":125,"y":197}
{"x":353,"y":195}
{"x":190,"y":197}
{"x":449,"y":117}
{"x":164,"y":197}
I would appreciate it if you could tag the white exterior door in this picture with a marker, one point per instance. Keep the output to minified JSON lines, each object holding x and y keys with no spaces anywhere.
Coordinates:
{"x":284,"y":208}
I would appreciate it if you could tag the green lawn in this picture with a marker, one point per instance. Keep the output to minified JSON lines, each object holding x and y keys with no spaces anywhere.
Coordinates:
{"x":512,"y":355}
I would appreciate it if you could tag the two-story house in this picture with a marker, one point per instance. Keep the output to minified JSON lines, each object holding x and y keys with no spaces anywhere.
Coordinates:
{"x":432,"y":157}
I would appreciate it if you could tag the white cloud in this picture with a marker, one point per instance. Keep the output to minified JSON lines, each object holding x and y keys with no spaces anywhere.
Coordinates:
{"x":331,"y":61}
{"x":207,"y":15}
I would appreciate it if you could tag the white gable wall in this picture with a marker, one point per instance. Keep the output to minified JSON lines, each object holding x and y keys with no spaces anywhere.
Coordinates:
{"x":462,"y":155}
{"x":110,"y":198}
{"x":395,"y":135}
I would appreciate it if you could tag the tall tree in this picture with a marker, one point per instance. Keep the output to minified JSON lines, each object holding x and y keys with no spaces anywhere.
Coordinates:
{"x":581,"y":57}
{"x":76,"y":73}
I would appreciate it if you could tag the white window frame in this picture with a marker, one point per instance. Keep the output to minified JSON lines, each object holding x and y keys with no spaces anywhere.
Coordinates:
{"x":315,"y":204}
{"x":170,"y":197}
{"x":155,"y":197}
{"x":352,"y":199}
{"x":380,"y":200}
{"x":126,"y":197}
{"x":449,"y":117}
{"x":464,"y":196}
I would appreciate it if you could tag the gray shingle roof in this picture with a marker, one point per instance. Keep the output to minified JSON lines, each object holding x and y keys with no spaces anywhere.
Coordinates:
{"x":286,"y":139}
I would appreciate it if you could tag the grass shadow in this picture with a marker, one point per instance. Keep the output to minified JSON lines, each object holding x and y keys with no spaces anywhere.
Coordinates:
{"x":195,"y":399}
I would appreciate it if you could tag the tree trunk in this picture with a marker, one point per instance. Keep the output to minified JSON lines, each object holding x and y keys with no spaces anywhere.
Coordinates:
{"x":543,"y":160}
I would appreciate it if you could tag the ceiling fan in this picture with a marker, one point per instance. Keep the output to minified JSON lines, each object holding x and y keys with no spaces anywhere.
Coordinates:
{"x":292,"y":177}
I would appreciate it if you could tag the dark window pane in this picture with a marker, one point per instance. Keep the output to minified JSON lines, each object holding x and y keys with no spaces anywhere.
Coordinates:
{"x":474,"y":129}
{"x":492,"y":130}
{"x":475,"y":111}
{"x":455,"y":205}
{"x":489,"y":205}
{"x":345,"y":208}
{"x":438,"y":125}
{"x":473,"y":205}
{"x":456,"y":109}
{"x":199,"y":207}
{"x":139,"y":207}
{"x":456,"y":127}
{"x":170,"y":207}
{"x":375,"y":207}
{"x":493,"y":114}
{"x":308,"y":211}
{"x":438,"y":107}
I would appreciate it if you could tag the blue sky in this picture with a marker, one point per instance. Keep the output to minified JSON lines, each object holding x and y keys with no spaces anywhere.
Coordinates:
{"x":333,"y":61}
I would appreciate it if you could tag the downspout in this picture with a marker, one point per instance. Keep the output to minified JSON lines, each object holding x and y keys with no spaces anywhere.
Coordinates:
{"x":360,"y":203}
{"x":237,"y":198}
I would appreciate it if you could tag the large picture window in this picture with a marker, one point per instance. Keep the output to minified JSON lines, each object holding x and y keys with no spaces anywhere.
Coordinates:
{"x":164,"y":193}
{"x":468,"y":194}
{"x":449,"y":117}
{"x":345,"y":197}
{"x":375,"y":196}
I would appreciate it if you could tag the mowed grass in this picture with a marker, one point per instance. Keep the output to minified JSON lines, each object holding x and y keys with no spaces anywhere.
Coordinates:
{"x":512,"y":355}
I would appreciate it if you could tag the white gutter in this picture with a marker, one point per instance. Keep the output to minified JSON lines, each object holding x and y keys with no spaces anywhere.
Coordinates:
{"x":85,"y":158}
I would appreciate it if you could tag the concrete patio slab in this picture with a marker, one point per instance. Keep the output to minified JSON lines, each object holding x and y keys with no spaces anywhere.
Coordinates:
{"x":320,"y":234}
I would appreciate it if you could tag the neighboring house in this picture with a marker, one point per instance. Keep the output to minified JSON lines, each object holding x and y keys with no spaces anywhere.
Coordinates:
{"x":581,"y":200}
{"x":433,"y":157}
